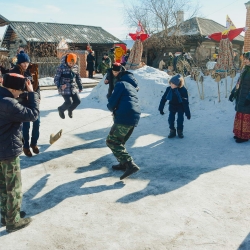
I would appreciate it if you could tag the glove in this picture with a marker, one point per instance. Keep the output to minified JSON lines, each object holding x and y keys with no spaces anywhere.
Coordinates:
{"x":189,"y":116}
{"x":162,"y":113}
{"x":247,"y":102}
{"x":231,"y":97}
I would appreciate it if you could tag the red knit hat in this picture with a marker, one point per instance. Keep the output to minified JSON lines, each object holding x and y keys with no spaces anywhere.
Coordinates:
{"x":71,"y":58}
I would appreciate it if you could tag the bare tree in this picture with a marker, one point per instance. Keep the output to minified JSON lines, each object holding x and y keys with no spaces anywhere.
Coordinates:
{"x":160,"y":20}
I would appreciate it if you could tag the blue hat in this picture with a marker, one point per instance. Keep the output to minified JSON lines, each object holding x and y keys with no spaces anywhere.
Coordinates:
{"x":176,"y":80}
{"x":22,"y":57}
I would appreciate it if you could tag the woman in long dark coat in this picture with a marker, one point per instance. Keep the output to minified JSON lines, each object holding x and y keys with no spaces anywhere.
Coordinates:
{"x":241,"y":94}
{"x":91,"y":63}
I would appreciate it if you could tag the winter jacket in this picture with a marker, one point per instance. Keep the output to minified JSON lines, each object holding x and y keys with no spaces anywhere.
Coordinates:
{"x":124,"y":101}
{"x":18,"y":70}
{"x":113,"y":80}
{"x":12,"y":114}
{"x":175,"y":105}
{"x":243,"y":92}
{"x":69,"y":76}
{"x":104,"y":65}
{"x":90,"y":62}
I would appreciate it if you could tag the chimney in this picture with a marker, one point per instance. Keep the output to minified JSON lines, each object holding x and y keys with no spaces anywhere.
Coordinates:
{"x":247,"y":33}
{"x":180,"y":17}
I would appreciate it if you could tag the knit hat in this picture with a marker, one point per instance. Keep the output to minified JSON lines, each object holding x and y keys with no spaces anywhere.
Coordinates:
{"x":71,"y":58}
{"x":116,"y":67}
{"x":14,"y":81}
{"x":176,"y":80}
{"x":22,"y":57}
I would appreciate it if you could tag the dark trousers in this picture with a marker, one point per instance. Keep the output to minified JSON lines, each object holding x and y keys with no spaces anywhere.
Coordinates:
{"x":180,"y":120}
{"x":91,"y":73}
{"x":34,"y":134}
{"x":70,"y":102}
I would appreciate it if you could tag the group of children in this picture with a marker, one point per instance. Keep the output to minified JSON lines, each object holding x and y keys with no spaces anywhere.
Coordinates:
{"x":19,"y":101}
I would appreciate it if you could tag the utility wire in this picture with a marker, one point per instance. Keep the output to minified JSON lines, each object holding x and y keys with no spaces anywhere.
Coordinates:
{"x":222,"y":8}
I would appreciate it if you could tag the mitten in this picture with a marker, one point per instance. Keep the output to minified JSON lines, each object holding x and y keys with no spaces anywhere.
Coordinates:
{"x":161,"y":112}
{"x":188,"y":116}
{"x":247,"y":102}
{"x":231,"y":97}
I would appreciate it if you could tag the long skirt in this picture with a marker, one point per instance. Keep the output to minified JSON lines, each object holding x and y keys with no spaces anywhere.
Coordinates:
{"x":242,"y":125}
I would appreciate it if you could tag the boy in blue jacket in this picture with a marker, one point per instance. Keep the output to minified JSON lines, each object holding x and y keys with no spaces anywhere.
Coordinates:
{"x":12,"y":115}
{"x":177,"y":96}
{"x":124,"y":104}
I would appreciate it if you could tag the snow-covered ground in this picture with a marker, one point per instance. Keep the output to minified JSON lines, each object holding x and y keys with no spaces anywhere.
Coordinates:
{"x":191,"y":193}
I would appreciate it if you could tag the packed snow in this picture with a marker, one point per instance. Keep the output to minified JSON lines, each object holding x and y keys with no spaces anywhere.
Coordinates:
{"x":190,"y":193}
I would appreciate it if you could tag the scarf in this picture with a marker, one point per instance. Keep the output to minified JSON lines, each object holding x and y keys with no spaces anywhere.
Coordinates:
{"x":170,"y":95}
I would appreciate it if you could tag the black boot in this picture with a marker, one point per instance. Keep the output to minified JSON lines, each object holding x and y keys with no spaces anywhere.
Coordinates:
{"x":61,"y":113}
{"x":180,"y":133}
{"x":70,"y":113}
{"x":239,"y":140}
{"x":131,"y":168}
{"x":119,"y":167}
{"x":172,"y":133}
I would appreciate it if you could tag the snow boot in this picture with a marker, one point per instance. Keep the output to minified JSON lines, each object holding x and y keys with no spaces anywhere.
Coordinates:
{"x":119,"y":167}
{"x":131,"y":168}
{"x":3,"y":221}
{"x":70,"y":113}
{"x":239,"y":140}
{"x":18,"y":225}
{"x":172,"y":133}
{"x":61,"y":113}
{"x":180,"y":133}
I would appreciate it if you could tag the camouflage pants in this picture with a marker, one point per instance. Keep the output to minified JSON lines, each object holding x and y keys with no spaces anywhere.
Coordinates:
{"x":10,"y":190}
{"x":116,"y":140}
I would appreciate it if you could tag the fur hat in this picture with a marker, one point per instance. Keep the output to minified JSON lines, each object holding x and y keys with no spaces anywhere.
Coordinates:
{"x":116,"y":67}
{"x":176,"y":80}
{"x":22,"y":57}
{"x":14,"y":81}
{"x":71,"y":58}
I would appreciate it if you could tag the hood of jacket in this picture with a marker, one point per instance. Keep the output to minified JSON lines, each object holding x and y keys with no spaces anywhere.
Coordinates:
{"x":129,"y":77}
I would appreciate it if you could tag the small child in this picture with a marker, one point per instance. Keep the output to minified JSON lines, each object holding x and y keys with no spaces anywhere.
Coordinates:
{"x":178,"y":103}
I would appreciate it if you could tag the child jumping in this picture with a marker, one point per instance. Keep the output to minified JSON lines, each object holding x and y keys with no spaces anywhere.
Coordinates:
{"x":177,"y":96}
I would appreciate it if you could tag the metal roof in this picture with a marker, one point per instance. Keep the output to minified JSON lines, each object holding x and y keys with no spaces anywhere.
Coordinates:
{"x":55,"y":32}
{"x":203,"y":27}
{"x":3,"y":21}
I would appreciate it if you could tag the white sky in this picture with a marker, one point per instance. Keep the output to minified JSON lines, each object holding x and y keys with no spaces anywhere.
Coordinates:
{"x":107,"y":13}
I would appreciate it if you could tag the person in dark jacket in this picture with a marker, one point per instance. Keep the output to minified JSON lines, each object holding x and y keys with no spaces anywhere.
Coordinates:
{"x":114,"y":74}
{"x":66,"y":78}
{"x":177,"y":96}
{"x":22,"y":68}
{"x":241,"y":95}
{"x":91,"y":63}
{"x":126,"y":111}
{"x":12,"y":114}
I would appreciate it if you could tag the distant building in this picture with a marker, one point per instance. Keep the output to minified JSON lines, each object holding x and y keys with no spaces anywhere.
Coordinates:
{"x":78,"y":37}
{"x":194,"y":31}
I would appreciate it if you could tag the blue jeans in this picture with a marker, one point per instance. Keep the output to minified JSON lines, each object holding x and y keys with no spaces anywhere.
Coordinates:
{"x":180,"y":120}
{"x":34,"y":133}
